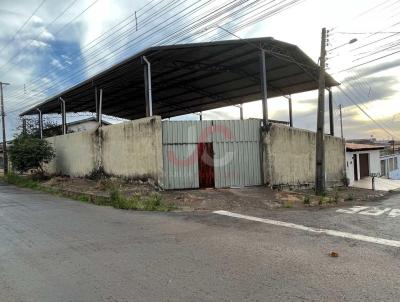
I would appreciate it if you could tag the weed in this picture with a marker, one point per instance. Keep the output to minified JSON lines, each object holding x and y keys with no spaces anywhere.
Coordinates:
{"x":21,"y":181}
{"x":335,"y":197}
{"x":288,"y":204}
{"x":82,"y":197}
{"x":321,"y":200}
{"x":350,"y":196}
{"x":153,"y":202}
{"x":306,"y":200}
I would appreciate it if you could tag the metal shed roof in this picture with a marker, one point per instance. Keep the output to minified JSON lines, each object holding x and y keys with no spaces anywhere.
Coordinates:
{"x":194,"y":77}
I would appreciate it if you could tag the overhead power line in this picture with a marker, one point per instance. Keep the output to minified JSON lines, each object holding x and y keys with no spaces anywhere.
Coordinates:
{"x":180,"y":33}
{"x":22,"y":26}
{"x":365,"y":113}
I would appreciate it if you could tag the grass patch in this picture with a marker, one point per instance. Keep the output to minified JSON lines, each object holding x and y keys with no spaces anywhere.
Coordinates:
{"x":152,"y":202}
{"x":21,"y":181}
{"x":288,"y":205}
{"x":307,"y":200}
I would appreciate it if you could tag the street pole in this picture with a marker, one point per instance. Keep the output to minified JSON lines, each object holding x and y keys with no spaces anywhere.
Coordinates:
{"x":320,"y":150}
{"x":3,"y":123}
{"x":341,"y":120}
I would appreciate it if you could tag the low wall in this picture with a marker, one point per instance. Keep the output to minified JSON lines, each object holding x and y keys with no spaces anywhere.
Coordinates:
{"x":132,"y":149}
{"x":289,"y":157}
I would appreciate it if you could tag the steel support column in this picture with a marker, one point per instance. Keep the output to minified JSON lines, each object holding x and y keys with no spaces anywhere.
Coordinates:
{"x":290,"y":111}
{"x":331,"y":123}
{"x":147,"y":86}
{"x":100,"y":108}
{"x":96,"y":99}
{"x":241,"y":111}
{"x":63,"y":117}
{"x":40,"y":121}
{"x":263,"y":76}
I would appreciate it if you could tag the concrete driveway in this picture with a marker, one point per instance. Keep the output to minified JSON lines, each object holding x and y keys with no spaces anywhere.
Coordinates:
{"x":55,"y":249}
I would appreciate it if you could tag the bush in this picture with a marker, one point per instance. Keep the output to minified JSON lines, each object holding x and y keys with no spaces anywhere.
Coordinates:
{"x":28,"y":152}
{"x":307,"y":200}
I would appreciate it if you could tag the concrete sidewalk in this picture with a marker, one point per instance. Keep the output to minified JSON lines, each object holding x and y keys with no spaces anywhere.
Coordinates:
{"x":381,"y":184}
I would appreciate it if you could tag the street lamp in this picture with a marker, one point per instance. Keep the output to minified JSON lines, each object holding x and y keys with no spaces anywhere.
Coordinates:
{"x":350,"y":42}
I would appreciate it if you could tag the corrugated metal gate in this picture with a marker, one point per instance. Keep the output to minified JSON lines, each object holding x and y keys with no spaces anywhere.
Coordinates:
{"x":236,"y":157}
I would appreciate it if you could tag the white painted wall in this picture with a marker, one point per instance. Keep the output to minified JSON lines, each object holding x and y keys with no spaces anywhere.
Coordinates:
{"x":374,"y":163}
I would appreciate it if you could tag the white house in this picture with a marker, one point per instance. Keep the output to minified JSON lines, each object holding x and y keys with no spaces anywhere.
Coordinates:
{"x":362,"y":161}
{"x":84,"y":125}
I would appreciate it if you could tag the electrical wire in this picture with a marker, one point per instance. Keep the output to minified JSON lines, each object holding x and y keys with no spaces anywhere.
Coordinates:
{"x":22,"y":26}
{"x":89,"y":66}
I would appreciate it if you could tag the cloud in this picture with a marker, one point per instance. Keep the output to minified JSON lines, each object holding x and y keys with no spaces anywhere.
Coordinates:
{"x":56,"y":63}
{"x":53,"y":60}
{"x":38,"y":44}
{"x":367,"y":71}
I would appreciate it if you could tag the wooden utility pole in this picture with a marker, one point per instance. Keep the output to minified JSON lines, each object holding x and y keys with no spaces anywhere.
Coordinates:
{"x":320,"y":148}
{"x":3,"y":123}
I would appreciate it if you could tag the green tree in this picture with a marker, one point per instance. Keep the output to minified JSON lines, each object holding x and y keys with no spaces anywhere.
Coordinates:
{"x":29,"y":152}
{"x":50,"y":128}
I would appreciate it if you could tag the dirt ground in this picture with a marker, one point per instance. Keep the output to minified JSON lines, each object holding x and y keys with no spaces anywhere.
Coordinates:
{"x":100,"y":187}
{"x":216,"y":199}
{"x":266,"y":198}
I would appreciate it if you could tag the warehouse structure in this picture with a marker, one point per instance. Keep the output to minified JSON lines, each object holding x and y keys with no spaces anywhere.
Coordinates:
{"x":168,"y":81}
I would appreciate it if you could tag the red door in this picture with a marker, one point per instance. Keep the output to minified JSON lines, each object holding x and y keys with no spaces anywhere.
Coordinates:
{"x":206,"y":165}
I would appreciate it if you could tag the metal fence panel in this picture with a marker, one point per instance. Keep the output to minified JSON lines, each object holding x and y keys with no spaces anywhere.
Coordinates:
{"x":237,"y":164}
{"x":186,"y":132}
{"x":237,"y":153}
{"x":180,"y":166}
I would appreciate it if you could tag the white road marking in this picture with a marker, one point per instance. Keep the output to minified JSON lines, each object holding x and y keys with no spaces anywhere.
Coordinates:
{"x":352,"y":210}
{"x":375,"y":211}
{"x":370,"y":211}
{"x":394,"y":213}
{"x":359,"y":237}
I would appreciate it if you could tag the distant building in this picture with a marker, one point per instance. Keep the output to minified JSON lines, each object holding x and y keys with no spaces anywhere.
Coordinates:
{"x":84,"y":125}
{"x":362,"y":160}
{"x":75,"y":126}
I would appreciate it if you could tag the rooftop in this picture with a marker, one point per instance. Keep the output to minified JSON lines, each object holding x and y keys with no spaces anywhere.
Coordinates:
{"x":362,"y":147}
{"x":194,"y":77}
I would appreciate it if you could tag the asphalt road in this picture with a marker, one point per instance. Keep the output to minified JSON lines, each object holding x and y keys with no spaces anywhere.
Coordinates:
{"x":55,"y":249}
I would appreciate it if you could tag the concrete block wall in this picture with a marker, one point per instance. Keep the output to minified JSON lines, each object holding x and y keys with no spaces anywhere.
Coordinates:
{"x":131,"y":149}
{"x":75,"y":154}
{"x":289,"y":157}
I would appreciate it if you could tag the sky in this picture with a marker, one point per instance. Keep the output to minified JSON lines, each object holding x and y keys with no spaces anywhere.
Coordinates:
{"x":48,"y":46}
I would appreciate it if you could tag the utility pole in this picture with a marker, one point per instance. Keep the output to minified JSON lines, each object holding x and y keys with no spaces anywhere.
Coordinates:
{"x":320,"y":148}
{"x":341,"y":120}
{"x":3,"y":123}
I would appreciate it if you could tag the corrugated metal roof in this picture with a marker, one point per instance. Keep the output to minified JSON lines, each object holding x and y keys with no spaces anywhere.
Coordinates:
{"x":193,"y":77}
